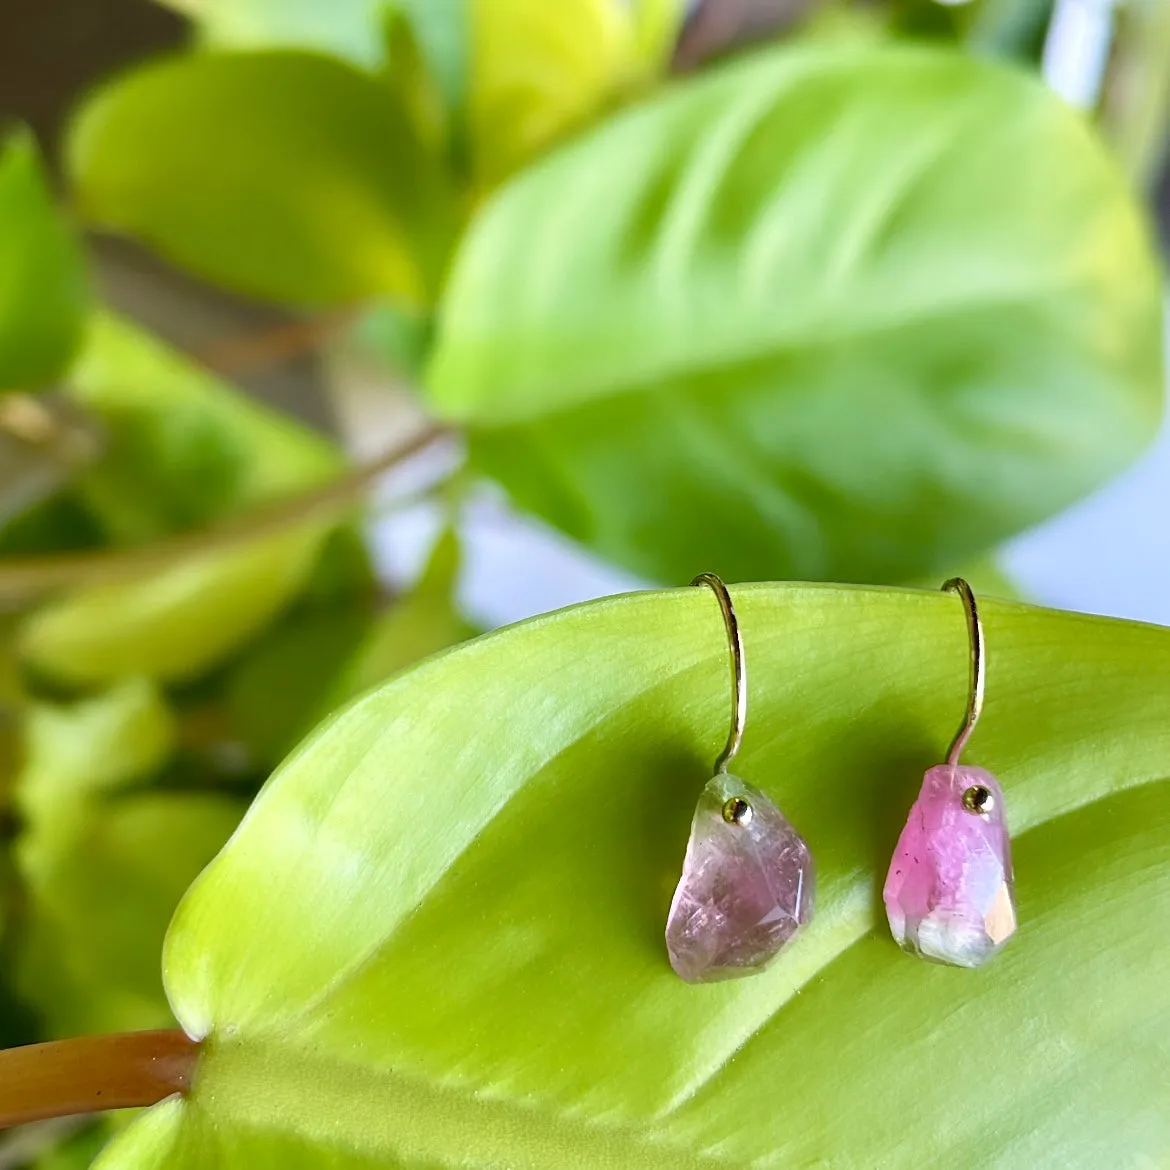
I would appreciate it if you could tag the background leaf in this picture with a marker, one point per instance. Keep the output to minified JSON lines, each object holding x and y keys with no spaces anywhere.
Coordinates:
{"x":441,"y":27}
{"x":657,"y":24}
{"x":350,"y":29}
{"x":825,"y":313}
{"x":102,"y":867}
{"x":275,"y":693}
{"x":423,"y":622}
{"x":436,"y":939}
{"x":42,"y":281}
{"x":76,"y":1152}
{"x":182,"y":447}
{"x":285,"y":175}
{"x":83,"y":749}
{"x":321,"y":656}
{"x":541,"y":71}
{"x":172,"y":624}
{"x":100,"y":896}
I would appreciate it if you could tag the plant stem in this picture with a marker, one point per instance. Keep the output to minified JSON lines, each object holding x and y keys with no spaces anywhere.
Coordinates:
{"x":90,"y":1073}
{"x":259,"y":351}
{"x":23,"y":580}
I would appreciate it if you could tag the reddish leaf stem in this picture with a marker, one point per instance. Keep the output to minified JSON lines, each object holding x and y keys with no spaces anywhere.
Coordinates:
{"x":91,"y":1073}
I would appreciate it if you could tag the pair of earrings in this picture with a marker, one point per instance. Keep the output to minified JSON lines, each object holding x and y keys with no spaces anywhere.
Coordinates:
{"x":748,"y":879}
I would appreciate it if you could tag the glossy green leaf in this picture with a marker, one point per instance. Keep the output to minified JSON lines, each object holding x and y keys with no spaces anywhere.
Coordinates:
{"x":826,"y":312}
{"x":182,"y":447}
{"x":282,"y":174}
{"x":540,"y":71}
{"x":436,"y":939}
{"x":174,"y":623}
{"x":42,"y":281}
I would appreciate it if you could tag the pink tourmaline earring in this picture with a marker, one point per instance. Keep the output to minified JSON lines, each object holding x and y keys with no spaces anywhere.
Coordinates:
{"x":747,"y":880}
{"x":949,"y":893}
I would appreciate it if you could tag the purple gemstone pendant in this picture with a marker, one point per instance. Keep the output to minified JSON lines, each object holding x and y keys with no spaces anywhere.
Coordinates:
{"x":949,"y":894}
{"x":746,"y":886}
{"x":747,"y":879}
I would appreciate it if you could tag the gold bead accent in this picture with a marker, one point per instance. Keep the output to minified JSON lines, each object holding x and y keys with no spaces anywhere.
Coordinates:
{"x":737,"y":811}
{"x":978,"y":800}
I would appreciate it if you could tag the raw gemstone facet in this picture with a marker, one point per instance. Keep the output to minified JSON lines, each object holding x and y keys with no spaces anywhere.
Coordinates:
{"x":949,"y":893}
{"x":746,"y":886}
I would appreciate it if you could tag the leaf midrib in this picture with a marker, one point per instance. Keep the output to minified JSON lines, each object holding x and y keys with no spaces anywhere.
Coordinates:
{"x":535,"y":407}
{"x":247,"y":1084}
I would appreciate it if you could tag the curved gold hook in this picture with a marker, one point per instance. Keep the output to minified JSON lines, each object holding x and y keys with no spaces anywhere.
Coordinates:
{"x":978,"y":667}
{"x":738,"y":669}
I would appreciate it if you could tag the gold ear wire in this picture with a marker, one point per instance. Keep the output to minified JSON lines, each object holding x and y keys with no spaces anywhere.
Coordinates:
{"x":738,"y":669}
{"x":978,"y":667}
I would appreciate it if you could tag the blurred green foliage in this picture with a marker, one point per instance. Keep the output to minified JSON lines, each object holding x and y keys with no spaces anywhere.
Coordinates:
{"x":42,"y":282}
{"x":841,"y":309}
{"x":188,"y":153}
{"x":838,"y":317}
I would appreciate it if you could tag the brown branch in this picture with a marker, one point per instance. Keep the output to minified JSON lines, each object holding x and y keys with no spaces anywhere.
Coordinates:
{"x":718,"y":26}
{"x":281,"y":343}
{"x":24,"y":579}
{"x":67,"y":1077}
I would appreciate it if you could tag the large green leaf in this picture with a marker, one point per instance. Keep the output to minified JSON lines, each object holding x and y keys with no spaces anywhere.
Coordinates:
{"x":436,"y":938}
{"x":42,"y":284}
{"x":182,"y":447}
{"x":283,"y":174}
{"x":827,"y":312}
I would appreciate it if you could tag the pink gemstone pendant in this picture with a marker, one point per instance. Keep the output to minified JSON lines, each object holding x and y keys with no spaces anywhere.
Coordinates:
{"x":949,"y":893}
{"x":746,"y":886}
